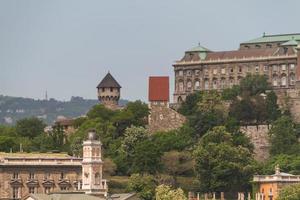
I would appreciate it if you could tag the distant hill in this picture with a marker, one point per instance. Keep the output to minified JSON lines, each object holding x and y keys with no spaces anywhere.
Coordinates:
{"x":15,"y":108}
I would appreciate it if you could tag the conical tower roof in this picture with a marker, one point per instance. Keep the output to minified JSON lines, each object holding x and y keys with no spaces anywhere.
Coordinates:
{"x":109,"y":81}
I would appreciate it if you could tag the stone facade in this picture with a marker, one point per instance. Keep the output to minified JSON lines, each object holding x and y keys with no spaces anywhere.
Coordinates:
{"x":109,"y":91}
{"x":22,"y":174}
{"x":275,"y":56}
{"x":163,"y":118}
{"x":260,"y":139}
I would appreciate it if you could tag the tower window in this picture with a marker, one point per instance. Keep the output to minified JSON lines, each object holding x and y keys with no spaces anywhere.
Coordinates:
{"x":103,"y":89}
{"x":62,"y":175}
{"x":111,"y":89}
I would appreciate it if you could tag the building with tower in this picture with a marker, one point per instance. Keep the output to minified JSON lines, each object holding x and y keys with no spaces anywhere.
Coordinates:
{"x":109,"y":92}
{"x":161,"y":117}
{"x":56,"y":176}
{"x":275,"y":56}
{"x":92,"y":164}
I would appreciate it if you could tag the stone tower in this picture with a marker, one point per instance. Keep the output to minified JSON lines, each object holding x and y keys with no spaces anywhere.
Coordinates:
{"x":161,"y":117}
{"x":92,"y":164}
{"x":109,"y":92}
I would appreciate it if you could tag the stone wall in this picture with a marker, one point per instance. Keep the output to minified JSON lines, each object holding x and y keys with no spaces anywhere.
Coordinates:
{"x":163,"y":118}
{"x":260,"y":139}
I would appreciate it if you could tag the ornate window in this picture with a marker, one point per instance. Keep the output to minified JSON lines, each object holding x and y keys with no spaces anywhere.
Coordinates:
{"x":180,"y":86}
{"x":240,"y":69}
{"x":292,"y":79}
{"x":283,"y":80}
{"x":189,"y":85}
{"x":31,"y":175}
{"x":197,"y":84}
{"x":292,"y":66}
{"x":180,"y":73}
{"x":16,"y":193}
{"x":206,"y":84}
{"x":223,"y":70}
{"x":197,"y":72}
{"x":189,"y":73}
{"x":215,"y":84}
{"x":31,"y":190}
{"x":274,"y":68}
{"x":275,"y":81}
{"x":256,"y":68}
{"x":283,"y":67}
{"x":215,"y":71}
{"x":231,"y":81}
{"x":97,"y":179}
{"x":223,"y":83}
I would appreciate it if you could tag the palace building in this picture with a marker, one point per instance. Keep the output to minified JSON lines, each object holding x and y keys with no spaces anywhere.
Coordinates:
{"x":22,"y":174}
{"x":276,"y":56}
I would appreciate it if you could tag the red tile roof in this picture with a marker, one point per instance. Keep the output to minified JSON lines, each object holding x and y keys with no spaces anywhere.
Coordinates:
{"x":159,"y":88}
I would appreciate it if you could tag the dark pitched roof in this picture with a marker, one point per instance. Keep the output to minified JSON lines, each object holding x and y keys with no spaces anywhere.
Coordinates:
{"x":108,"y":81}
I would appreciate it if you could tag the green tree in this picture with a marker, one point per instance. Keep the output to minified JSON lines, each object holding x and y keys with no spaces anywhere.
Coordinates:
{"x":190,"y":105}
{"x":140,"y":112}
{"x":57,"y":136}
{"x":100,"y":111}
{"x":272,"y":107}
{"x":254,"y":84}
{"x":291,"y":192}
{"x":164,"y":192}
{"x":284,"y":138}
{"x":146,"y":158}
{"x":30,"y":127}
{"x":221,"y":165}
{"x":143,"y":185}
{"x":133,"y":135}
{"x":177,"y":163}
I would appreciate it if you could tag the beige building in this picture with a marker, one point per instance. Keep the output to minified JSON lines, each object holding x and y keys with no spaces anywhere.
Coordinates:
{"x":22,"y":174}
{"x":276,"y":56}
{"x":269,"y":186}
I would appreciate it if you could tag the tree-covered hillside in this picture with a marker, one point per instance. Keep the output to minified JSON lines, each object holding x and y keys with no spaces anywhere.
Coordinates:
{"x":15,"y":108}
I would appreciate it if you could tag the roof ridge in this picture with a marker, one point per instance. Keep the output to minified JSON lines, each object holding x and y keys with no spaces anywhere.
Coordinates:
{"x":284,"y":34}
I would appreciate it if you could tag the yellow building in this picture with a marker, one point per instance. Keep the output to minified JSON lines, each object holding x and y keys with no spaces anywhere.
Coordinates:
{"x":269,"y":186}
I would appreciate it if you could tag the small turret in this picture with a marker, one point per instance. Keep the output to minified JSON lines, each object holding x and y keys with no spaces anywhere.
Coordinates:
{"x":109,"y":91}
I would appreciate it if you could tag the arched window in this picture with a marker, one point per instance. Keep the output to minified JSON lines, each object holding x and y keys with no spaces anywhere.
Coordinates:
{"x":283,"y":80}
{"x":180,"y":86}
{"x":223,"y":83}
{"x":231,"y":81}
{"x":189,"y":85}
{"x":97,"y":179}
{"x":206,"y":84}
{"x":215,"y":84}
{"x":275,"y":80}
{"x":197,"y":84}
{"x":292,"y":79}
{"x":179,"y":100}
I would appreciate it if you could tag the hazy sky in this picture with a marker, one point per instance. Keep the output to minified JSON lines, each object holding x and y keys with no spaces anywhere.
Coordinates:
{"x":67,"y":46}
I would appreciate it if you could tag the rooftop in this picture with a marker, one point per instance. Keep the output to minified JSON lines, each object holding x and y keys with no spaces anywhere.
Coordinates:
{"x":109,"y":82}
{"x":159,"y":88}
{"x":275,"y":38}
{"x":33,"y":155}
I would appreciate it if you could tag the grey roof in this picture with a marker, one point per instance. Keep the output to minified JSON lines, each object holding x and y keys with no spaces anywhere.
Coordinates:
{"x":64,"y":196}
{"x":109,"y":81}
{"x":78,"y":196}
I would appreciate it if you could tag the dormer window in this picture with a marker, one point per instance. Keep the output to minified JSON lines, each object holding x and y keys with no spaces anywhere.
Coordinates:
{"x":269,"y":45}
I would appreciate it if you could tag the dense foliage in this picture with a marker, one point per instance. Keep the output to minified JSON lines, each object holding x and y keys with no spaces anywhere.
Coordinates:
{"x":209,"y":146}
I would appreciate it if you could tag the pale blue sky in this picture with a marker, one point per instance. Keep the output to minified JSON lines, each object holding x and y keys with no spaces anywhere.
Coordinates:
{"x":67,"y":46}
